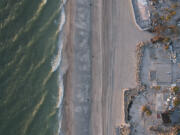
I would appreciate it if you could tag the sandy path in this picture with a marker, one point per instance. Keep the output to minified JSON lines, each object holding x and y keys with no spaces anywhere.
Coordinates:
{"x":108,"y":27}
{"x":120,"y":36}
{"x":116,"y":39}
{"x":96,"y":108}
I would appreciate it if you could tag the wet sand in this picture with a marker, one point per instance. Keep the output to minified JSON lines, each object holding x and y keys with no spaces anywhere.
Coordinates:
{"x":107,"y":30}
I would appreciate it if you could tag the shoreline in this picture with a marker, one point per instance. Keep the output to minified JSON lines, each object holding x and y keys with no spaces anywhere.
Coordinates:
{"x":66,"y":52}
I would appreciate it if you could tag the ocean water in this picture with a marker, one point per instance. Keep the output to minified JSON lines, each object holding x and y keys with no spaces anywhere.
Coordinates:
{"x":31,"y":85}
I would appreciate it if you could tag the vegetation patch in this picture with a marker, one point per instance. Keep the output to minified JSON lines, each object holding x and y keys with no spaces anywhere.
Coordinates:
{"x":157,"y":87}
{"x":175,"y":89}
{"x":176,"y":101}
{"x":146,"y":110}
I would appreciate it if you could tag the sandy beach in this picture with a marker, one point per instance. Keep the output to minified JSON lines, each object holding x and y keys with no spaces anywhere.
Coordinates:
{"x":77,"y":80}
{"x":104,"y":30}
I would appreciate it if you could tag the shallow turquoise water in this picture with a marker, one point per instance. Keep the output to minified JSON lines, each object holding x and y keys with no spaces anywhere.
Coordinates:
{"x":29,"y":36}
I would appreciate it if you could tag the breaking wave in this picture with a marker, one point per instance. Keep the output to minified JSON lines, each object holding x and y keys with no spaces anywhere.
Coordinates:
{"x":56,"y":64}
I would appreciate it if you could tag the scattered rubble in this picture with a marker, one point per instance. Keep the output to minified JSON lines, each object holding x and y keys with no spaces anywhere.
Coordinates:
{"x":153,"y":107}
{"x":141,"y":14}
{"x":123,"y":130}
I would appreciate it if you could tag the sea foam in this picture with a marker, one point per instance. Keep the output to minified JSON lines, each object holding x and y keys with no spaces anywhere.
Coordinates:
{"x":56,"y":64}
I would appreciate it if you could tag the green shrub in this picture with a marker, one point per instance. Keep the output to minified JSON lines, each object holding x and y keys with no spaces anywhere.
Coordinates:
{"x":166,"y":47}
{"x":157,"y":87}
{"x":176,"y":102}
{"x":148,"y":113}
{"x":146,"y":110}
{"x":175,"y":89}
